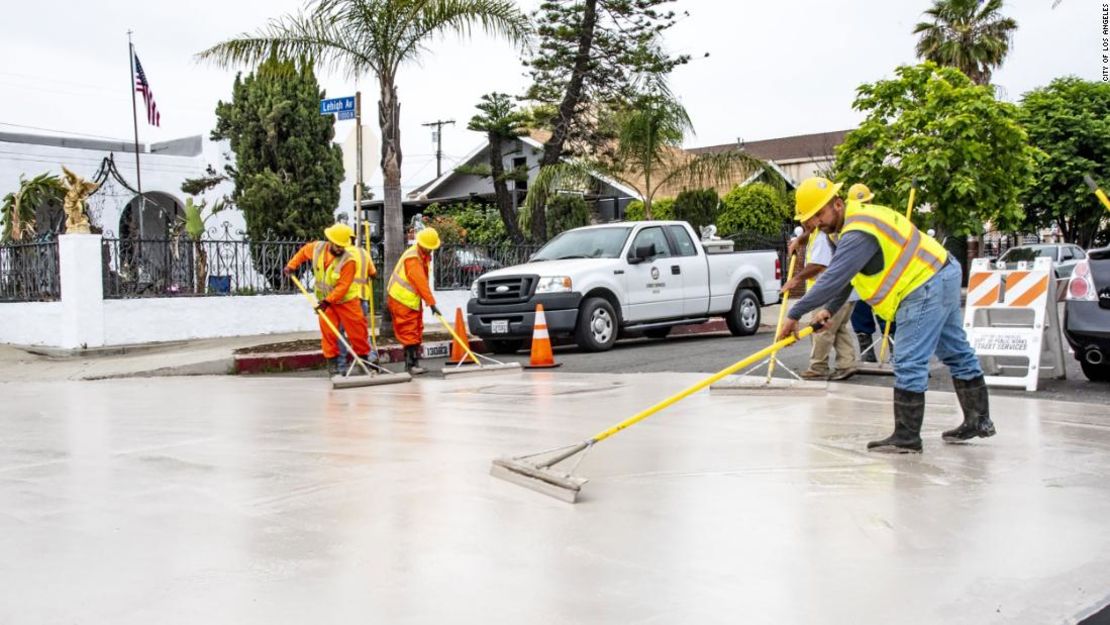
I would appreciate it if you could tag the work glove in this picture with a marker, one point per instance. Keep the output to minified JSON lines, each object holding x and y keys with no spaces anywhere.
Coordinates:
{"x":287,"y":271}
{"x":435,"y":311}
{"x":323,"y":305}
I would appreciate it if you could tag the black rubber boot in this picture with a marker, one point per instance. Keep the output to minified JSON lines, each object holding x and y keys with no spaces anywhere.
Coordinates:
{"x":975,"y":402}
{"x":909,"y":412}
{"x":866,"y":353}
{"x":412,"y":360}
{"x":333,"y":366}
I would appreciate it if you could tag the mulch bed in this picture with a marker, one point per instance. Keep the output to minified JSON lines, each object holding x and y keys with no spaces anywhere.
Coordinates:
{"x":308,"y":345}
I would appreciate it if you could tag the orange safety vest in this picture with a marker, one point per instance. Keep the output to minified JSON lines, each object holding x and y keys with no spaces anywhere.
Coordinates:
{"x":399,"y":287}
{"x":327,"y":276}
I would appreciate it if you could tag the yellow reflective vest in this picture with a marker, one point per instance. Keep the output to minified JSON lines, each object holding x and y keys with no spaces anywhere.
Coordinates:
{"x":364,"y":265}
{"x":399,"y":287}
{"x":327,"y":276}
{"x":910,"y":257}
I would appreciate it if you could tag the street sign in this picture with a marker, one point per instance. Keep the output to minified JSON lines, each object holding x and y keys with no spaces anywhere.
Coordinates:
{"x":346,"y":115}
{"x":338,"y":105}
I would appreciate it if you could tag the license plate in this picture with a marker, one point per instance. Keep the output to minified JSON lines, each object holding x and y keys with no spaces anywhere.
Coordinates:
{"x":501,"y":326}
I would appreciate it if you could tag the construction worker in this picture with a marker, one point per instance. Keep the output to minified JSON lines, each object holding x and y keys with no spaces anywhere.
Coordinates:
{"x":336,"y":268}
{"x":837,"y":335}
{"x":863,"y":318}
{"x":363,"y":284}
{"x":408,"y":291}
{"x":905,"y":275}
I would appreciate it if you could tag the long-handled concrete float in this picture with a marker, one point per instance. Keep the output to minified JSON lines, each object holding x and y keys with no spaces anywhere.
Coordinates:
{"x":478,"y":367}
{"x":371,"y":373}
{"x":542,"y":476}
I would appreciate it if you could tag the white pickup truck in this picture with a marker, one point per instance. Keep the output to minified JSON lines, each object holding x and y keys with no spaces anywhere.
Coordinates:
{"x":598,"y":282}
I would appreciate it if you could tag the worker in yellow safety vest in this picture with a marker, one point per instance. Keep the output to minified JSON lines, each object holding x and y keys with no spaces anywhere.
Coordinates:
{"x":408,"y":290}
{"x":905,"y":275}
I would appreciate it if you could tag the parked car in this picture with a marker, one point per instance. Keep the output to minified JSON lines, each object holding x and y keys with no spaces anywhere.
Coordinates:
{"x":1087,"y":314}
{"x":1064,"y":255}
{"x":598,"y":282}
{"x":463,"y":266}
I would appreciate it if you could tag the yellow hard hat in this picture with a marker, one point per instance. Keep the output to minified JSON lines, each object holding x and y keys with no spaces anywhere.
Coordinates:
{"x":428,"y":239}
{"x":860,"y":193}
{"x":812,"y":195}
{"x":340,"y":234}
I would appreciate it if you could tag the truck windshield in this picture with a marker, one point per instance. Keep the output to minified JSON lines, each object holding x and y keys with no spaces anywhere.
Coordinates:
{"x":588,"y":243}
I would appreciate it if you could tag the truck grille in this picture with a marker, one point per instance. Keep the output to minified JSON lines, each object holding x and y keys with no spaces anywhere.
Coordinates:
{"x":506,"y":290}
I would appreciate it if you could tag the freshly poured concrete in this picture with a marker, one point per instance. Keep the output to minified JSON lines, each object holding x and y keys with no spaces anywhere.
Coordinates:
{"x":238,"y":500}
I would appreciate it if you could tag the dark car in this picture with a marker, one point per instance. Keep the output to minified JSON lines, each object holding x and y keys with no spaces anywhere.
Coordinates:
{"x":459,"y":268}
{"x":1064,"y":255}
{"x":1087,"y":314}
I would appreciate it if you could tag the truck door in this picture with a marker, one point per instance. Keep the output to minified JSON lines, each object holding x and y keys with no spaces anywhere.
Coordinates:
{"x":691,"y":266}
{"x":653,"y":291}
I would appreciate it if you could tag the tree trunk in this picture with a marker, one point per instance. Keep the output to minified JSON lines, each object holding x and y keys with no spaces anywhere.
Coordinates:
{"x":647,"y":194}
{"x":501,"y":189}
{"x":553,"y":149}
{"x":393,"y":219}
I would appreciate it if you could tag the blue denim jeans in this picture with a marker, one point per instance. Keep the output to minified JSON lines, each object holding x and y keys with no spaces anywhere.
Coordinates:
{"x":863,"y":320}
{"x":344,"y":362}
{"x":930,"y":322}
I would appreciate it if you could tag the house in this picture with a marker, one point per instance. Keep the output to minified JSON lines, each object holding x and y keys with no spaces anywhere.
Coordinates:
{"x":606,"y":197}
{"x":793,"y":158}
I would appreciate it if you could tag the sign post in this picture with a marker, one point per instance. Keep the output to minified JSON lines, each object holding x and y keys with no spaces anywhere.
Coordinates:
{"x":350,"y":107}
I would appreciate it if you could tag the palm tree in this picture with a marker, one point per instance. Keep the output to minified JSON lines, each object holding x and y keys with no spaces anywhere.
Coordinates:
{"x":501,"y":121}
{"x":970,"y":35}
{"x":649,"y":154}
{"x":19,"y":207}
{"x":376,"y":37}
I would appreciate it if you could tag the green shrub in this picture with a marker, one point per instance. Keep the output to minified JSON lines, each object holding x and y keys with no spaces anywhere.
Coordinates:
{"x":662,"y":208}
{"x":757,"y":207}
{"x":698,"y":207}
{"x":482,"y":224}
{"x":565,"y":212}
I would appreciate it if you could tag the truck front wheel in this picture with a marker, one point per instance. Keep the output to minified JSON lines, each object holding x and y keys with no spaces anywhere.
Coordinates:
{"x":596,"y":330}
{"x":743,"y":318}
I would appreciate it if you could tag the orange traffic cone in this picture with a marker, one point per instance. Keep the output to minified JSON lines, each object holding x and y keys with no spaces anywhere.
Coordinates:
{"x":458,"y":354}
{"x":542,"y":358}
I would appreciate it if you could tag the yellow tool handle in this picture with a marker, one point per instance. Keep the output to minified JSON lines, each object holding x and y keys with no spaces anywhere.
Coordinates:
{"x":454,"y":335}
{"x":782,"y":315}
{"x":756,"y":357}
{"x":373,"y":330}
{"x":331,"y":325}
{"x":886,"y":328}
{"x":1097,"y":191}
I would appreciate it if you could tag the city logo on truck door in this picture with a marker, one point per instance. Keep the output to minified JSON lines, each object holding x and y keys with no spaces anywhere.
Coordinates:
{"x":655,"y":284}
{"x":654,"y":273}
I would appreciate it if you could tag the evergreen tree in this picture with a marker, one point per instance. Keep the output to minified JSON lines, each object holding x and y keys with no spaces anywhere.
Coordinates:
{"x":501,"y":122}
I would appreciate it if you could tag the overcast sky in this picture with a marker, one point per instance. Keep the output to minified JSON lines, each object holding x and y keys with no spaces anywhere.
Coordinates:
{"x":774,"y":68}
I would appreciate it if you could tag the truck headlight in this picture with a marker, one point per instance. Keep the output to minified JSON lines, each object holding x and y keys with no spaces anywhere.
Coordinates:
{"x":553,"y":284}
{"x":474,"y":289}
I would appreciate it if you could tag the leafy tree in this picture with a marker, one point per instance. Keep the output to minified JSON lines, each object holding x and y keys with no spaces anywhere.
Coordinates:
{"x":970,"y":35}
{"x":1069,"y":120}
{"x":931,"y":125}
{"x":20,"y":206}
{"x":649,"y":154}
{"x":697,"y":206}
{"x":373,"y":36}
{"x":501,"y":122}
{"x":483,"y":225}
{"x":287,"y":171}
{"x":567,"y":211}
{"x":450,"y":230}
{"x":662,"y":208}
{"x":757,"y":207}
{"x":591,"y":56}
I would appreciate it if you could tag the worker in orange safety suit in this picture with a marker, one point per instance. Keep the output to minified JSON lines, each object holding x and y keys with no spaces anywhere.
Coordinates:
{"x":336,"y":268}
{"x":408,"y":291}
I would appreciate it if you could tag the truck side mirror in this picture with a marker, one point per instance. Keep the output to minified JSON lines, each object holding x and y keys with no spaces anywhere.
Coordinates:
{"x":642,"y":253}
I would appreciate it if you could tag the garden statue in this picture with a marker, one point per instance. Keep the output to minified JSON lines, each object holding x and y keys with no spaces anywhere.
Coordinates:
{"x":77,"y":189}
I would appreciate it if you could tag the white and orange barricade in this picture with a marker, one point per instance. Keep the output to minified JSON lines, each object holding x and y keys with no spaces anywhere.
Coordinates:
{"x":1012,"y":322}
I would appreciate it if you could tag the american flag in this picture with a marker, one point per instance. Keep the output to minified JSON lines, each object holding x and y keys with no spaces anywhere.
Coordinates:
{"x":153,"y":117}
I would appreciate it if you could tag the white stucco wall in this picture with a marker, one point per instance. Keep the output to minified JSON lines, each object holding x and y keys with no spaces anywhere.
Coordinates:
{"x":146,"y":320}
{"x":31,"y":323}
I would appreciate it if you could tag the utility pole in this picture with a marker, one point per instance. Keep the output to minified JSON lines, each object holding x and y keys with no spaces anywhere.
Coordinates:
{"x":438,"y":136}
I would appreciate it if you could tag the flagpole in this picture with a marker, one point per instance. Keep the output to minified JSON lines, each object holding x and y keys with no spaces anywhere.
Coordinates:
{"x":135,"y":123}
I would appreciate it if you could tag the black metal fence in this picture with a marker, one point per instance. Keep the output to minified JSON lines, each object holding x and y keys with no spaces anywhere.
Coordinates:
{"x":29,"y":272}
{"x":179,"y":267}
{"x":751,"y":241}
{"x":457,"y":266}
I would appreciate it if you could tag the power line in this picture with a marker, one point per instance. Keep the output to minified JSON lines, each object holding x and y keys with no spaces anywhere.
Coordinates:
{"x":439,"y":124}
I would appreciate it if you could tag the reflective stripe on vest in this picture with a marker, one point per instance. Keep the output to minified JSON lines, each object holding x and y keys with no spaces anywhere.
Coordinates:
{"x":326,"y":277}
{"x":399,"y":287}
{"x":363,"y":263}
{"x":910,"y":258}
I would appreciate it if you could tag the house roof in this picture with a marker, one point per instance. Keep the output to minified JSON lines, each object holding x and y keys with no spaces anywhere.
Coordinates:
{"x":784,"y":149}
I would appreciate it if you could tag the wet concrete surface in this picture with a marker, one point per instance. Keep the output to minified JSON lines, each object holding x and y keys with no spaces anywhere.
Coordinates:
{"x":278,"y":500}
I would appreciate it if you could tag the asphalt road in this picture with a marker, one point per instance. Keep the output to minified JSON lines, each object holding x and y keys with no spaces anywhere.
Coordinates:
{"x":709,"y":353}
